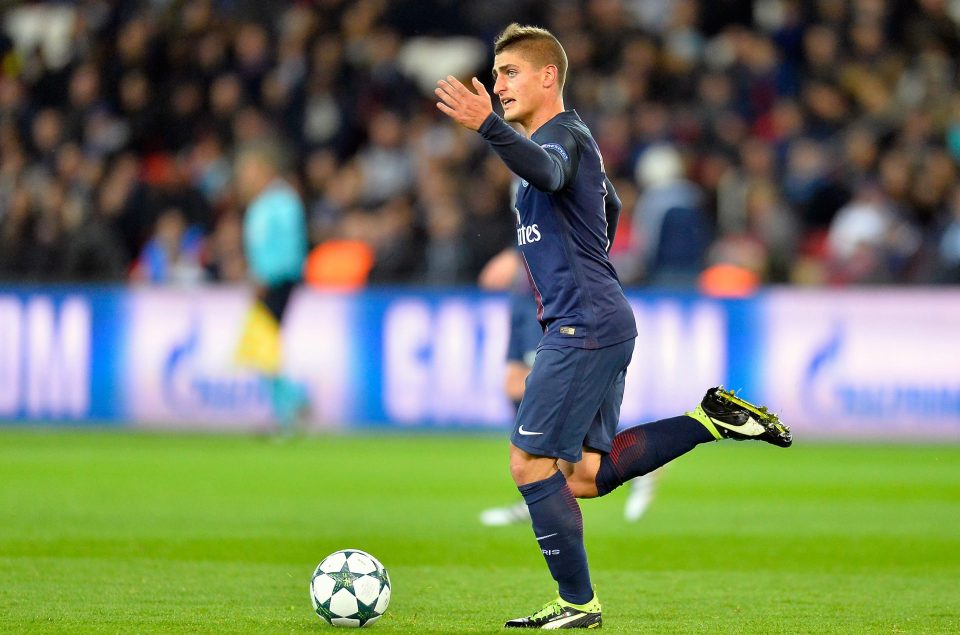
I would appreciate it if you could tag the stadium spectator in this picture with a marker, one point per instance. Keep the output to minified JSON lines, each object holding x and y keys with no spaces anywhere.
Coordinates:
{"x":670,"y":229}
{"x":949,"y":247}
{"x":344,"y":260}
{"x":224,"y":258}
{"x":794,"y":106}
{"x":173,"y":254}
{"x":95,"y":252}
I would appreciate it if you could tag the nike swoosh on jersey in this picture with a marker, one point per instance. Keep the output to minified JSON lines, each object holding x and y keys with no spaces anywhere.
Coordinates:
{"x":545,"y":537}
{"x":526,"y":433}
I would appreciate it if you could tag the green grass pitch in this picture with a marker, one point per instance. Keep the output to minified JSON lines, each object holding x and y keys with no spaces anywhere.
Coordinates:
{"x":133,"y":532}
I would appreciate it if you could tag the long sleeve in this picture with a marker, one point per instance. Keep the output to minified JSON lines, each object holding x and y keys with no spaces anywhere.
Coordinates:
{"x":549,"y":167}
{"x":612,"y":212}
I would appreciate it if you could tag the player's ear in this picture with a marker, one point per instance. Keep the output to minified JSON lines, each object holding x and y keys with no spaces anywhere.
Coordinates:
{"x":549,"y":75}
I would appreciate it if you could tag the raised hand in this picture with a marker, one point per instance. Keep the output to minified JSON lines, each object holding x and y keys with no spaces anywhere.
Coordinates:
{"x":467,"y":108}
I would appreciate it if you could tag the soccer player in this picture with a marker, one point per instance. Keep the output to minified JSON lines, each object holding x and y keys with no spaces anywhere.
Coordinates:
{"x":525,"y":333}
{"x":563,"y":446}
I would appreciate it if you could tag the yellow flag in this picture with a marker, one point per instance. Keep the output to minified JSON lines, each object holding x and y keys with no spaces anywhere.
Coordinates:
{"x":260,"y":344}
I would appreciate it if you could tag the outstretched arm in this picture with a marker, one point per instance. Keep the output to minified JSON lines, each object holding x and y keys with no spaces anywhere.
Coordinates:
{"x":548,"y":171}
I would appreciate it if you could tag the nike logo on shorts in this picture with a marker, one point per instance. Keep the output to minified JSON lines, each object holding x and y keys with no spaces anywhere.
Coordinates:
{"x":527,"y":433}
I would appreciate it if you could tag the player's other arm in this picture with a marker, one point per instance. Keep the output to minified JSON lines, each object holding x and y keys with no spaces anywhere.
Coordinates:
{"x":548,"y":171}
{"x":612,"y":211}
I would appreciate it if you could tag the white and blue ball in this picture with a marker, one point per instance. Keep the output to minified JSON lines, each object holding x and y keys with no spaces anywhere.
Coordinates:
{"x":350,"y":588}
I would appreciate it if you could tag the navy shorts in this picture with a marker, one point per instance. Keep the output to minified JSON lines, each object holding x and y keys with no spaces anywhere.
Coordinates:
{"x":572,"y":400}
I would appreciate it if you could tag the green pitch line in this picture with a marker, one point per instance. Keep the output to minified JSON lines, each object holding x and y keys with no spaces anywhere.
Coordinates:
{"x":125,"y":532}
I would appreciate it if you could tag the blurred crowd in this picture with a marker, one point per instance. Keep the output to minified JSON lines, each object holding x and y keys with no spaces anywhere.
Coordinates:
{"x":772,"y":141}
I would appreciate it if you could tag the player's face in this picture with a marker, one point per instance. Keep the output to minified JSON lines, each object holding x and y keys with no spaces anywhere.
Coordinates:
{"x":518,"y":85}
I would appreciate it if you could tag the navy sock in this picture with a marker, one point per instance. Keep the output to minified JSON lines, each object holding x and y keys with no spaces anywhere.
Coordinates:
{"x":558,"y":527}
{"x":642,"y":449}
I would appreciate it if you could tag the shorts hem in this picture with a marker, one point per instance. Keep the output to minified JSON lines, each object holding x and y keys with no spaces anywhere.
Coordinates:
{"x":554,"y":454}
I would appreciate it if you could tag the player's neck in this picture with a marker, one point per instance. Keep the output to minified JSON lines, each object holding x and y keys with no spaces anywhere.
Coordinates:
{"x":542,"y":116}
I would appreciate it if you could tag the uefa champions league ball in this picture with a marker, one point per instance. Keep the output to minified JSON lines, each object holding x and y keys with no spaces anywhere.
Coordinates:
{"x":350,"y":588}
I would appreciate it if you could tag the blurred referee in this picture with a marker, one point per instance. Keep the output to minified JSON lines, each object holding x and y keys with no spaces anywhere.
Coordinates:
{"x":275,"y":242}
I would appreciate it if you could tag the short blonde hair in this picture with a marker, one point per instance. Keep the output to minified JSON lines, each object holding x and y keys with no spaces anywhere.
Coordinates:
{"x":537,"y":45}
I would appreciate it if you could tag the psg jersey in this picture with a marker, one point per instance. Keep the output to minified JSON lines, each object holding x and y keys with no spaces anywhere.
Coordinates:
{"x":567,"y":213}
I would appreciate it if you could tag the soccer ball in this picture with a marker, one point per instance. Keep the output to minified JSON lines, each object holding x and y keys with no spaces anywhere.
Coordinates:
{"x":350,"y":588}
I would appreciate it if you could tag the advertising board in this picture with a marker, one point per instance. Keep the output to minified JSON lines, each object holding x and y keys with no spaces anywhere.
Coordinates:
{"x":878,"y":364}
{"x":864,"y":363}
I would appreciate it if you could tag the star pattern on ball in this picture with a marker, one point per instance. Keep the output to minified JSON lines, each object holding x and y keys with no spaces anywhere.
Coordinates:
{"x":343,"y":579}
{"x":365,"y":612}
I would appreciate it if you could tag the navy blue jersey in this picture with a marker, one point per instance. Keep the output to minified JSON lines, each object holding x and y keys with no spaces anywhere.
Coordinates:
{"x":567,"y":213}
